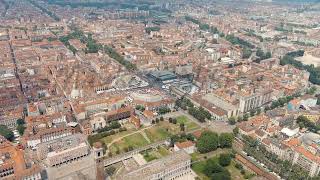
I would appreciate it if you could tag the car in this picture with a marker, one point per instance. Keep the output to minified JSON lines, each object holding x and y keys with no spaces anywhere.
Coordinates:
{"x":244,"y":153}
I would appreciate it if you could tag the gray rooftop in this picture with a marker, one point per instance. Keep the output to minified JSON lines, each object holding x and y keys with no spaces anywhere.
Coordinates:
{"x":156,"y":166}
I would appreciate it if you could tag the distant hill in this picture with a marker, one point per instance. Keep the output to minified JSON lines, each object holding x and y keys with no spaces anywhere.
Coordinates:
{"x":302,"y":1}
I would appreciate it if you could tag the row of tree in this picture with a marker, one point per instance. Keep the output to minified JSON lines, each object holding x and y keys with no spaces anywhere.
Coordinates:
{"x":44,"y":10}
{"x":304,"y":122}
{"x":184,"y":103}
{"x":281,"y":102}
{"x":262,"y":55}
{"x":157,"y":120}
{"x":245,"y":117}
{"x":252,"y":34}
{"x":142,"y":5}
{"x":97,"y":137}
{"x":285,"y":169}
{"x":202,"y":26}
{"x":314,"y":71}
{"x":140,"y":108}
{"x":8,"y":134}
{"x":164,"y":110}
{"x":210,"y":141}
{"x":275,"y":104}
{"x":149,"y":29}
{"x":199,"y":113}
{"x":93,"y":47}
{"x":112,"y":125}
{"x":181,"y":138}
{"x":113,"y":54}
{"x":238,"y":41}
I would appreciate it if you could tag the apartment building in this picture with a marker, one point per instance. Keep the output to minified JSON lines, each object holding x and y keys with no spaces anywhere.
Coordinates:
{"x":307,"y":160}
{"x":173,"y":166}
{"x":254,"y":100}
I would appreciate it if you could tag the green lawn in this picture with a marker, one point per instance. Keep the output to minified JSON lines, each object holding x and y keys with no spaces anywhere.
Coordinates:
{"x":134,"y":141}
{"x":156,"y":154}
{"x":109,"y":139}
{"x":163,"y":151}
{"x":157,"y":134}
{"x":188,"y":123}
{"x":162,"y":131}
{"x":195,"y":156}
{"x":150,"y":156}
{"x":235,"y":173}
{"x":198,"y":168}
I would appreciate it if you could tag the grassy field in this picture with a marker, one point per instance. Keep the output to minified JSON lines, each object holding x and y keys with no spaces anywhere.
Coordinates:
{"x":156,"y":154}
{"x":109,"y":139}
{"x":235,"y":173}
{"x":150,"y":156}
{"x":163,"y":151}
{"x":162,"y":131}
{"x":188,"y":123}
{"x":134,"y":141}
{"x":198,"y":168}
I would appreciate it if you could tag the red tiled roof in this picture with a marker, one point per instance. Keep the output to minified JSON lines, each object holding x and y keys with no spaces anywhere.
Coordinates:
{"x":185,"y":144}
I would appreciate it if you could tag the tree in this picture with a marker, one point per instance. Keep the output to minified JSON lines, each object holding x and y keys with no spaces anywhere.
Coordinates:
{"x":318,"y":100}
{"x":170,"y":119}
{"x":225,"y":159}
{"x":161,"y":118}
{"x":258,"y":111}
{"x":157,"y":120}
{"x":140,"y":108}
{"x":190,"y":137}
{"x":267,"y":108}
{"x":246,"y":117}
{"x":174,"y":121}
{"x":240,"y":118}
{"x":21,"y":129}
{"x":212,"y":167}
{"x":182,"y":127}
{"x":7,"y":133}
{"x":207,"y":142}
{"x":232,"y":120}
{"x":260,"y":53}
{"x":20,"y":122}
{"x":174,"y":139}
{"x":252,"y":112}
{"x":312,"y":90}
{"x":164,"y":110}
{"x":110,"y":170}
{"x":225,"y":140}
{"x":115,"y":125}
{"x":149,"y":29}
{"x":246,"y":53}
{"x":224,"y":175}
{"x":268,"y":55}
{"x":235,"y":131}
{"x":215,"y":171}
{"x":238,"y":166}
{"x":199,"y":113}
{"x":305,"y":122}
